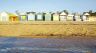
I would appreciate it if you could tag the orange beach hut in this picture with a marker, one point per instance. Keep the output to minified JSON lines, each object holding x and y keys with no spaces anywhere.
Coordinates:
{"x":13,"y":17}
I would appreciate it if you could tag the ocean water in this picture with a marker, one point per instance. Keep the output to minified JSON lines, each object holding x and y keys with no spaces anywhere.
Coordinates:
{"x":47,"y":45}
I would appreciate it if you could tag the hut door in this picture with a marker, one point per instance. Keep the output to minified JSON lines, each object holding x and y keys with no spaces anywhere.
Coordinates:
{"x":39,"y":17}
{"x":31,"y":17}
{"x":63,"y":18}
{"x":4,"y":18}
{"x":84,"y":18}
{"x":14,"y":19}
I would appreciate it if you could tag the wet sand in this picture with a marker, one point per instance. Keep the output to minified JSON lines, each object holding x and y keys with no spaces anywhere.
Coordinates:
{"x":80,"y":44}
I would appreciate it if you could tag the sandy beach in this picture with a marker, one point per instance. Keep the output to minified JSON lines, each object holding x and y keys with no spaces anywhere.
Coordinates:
{"x":47,"y":29}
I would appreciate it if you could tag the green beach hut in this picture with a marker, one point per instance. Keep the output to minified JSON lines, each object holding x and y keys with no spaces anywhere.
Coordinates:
{"x":48,"y":16}
{"x":23,"y":17}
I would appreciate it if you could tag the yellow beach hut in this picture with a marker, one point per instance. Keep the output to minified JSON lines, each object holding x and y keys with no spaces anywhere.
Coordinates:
{"x":70,"y":17}
{"x":56,"y":16}
{"x":92,"y":18}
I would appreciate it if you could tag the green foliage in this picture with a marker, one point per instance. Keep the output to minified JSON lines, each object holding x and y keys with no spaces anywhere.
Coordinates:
{"x":66,"y":11}
{"x":92,"y":13}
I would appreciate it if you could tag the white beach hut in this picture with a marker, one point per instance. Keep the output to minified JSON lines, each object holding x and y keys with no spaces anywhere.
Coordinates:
{"x":63,"y":16}
{"x":40,"y":17}
{"x":77,"y":17}
{"x":4,"y":16}
{"x":85,"y":16}
{"x":31,"y":16}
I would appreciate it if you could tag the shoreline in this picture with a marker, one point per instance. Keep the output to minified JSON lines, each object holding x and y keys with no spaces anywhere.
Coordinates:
{"x":50,"y":37}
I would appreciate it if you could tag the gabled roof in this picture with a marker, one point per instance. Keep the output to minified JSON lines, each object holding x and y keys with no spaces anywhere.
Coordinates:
{"x":9,"y":14}
{"x":86,"y":13}
{"x":63,"y":13}
{"x":4,"y":12}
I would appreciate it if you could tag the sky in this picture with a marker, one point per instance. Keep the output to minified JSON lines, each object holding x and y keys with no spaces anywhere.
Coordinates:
{"x":47,"y":5}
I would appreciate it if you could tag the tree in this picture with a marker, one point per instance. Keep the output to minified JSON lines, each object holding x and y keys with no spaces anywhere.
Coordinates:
{"x":90,"y":11}
{"x":66,"y":11}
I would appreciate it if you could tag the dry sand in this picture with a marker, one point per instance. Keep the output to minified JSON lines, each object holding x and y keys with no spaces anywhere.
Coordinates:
{"x":47,"y":29}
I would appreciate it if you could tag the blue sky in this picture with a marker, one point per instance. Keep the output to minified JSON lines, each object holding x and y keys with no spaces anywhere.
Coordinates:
{"x":47,"y":5}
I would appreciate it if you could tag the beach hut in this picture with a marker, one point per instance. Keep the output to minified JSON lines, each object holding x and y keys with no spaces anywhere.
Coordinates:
{"x":40,"y":17}
{"x":92,"y":18}
{"x":4,"y":16}
{"x":77,"y":17}
{"x":31,"y":16}
{"x":56,"y":16}
{"x":63,"y":16}
{"x":23,"y":16}
{"x":13,"y":17}
{"x":85,"y":16}
{"x":70,"y":17}
{"x":48,"y":16}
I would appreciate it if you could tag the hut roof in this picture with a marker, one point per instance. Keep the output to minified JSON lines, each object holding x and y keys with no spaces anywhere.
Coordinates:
{"x":86,"y":13}
{"x":63,"y":13}
{"x":4,"y":12}
{"x":30,"y":12}
{"x":48,"y":13}
{"x":22,"y":13}
{"x":40,"y":13}
{"x":10,"y":14}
